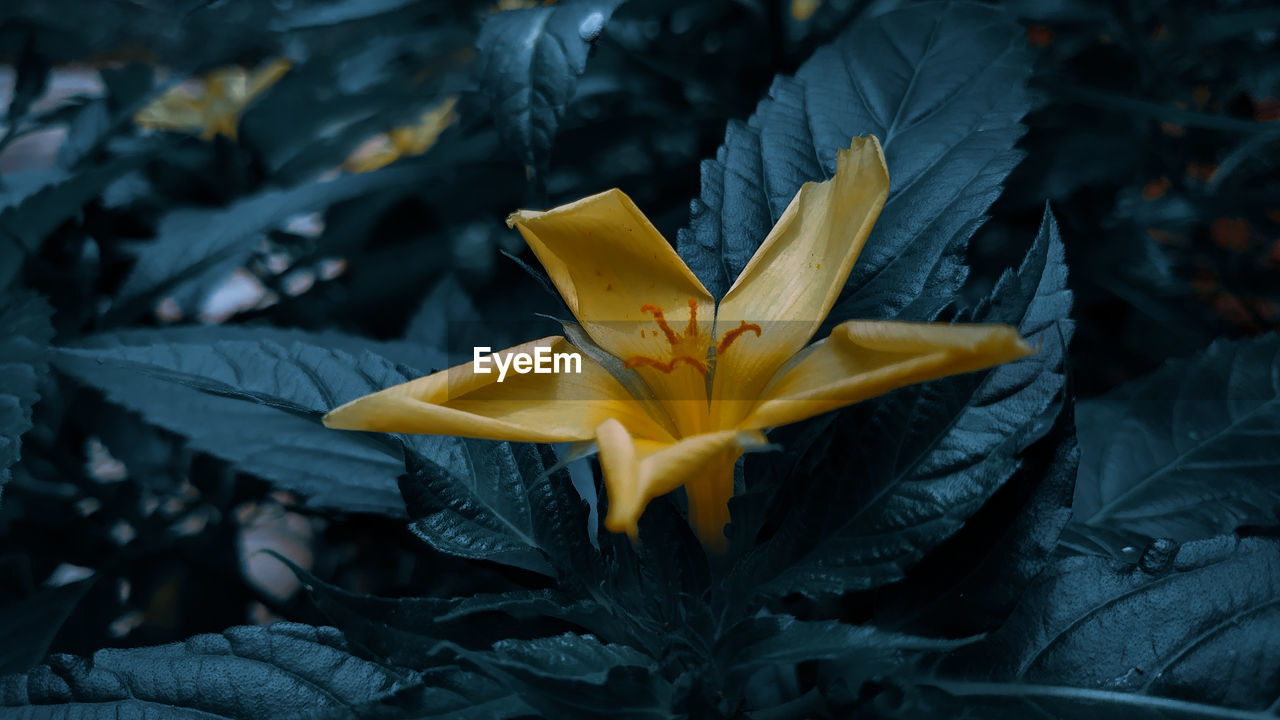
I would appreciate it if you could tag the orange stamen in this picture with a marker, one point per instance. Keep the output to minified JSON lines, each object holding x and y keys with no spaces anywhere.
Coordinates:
{"x":692,"y":329}
{"x":661,"y":319}
{"x":636,"y":361}
{"x":733,"y":334}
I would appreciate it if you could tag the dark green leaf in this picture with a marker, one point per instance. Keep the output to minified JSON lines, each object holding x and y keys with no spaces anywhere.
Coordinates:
{"x":970,"y":583}
{"x":35,"y":211}
{"x":282,"y":670}
{"x":33,"y":76}
{"x":254,"y":396}
{"x":784,"y":641}
{"x":407,"y":631}
{"x":1193,"y":450}
{"x":915,"y":464}
{"x":28,"y":626}
{"x":530,"y":62}
{"x":333,"y":12}
{"x":1187,"y":632}
{"x":579,"y":676}
{"x":943,"y":88}
{"x":451,"y":693}
{"x":496,"y":501}
{"x":25,"y":333}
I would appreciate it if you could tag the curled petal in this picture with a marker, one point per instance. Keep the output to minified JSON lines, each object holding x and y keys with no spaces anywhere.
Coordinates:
{"x":637,"y":471}
{"x":862,"y":359}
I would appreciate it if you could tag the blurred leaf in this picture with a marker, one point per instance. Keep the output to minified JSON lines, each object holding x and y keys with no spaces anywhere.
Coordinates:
{"x":269,"y":390}
{"x":192,"y":243}
{"x":282,"y":670}
{"x":448,"y":319}
{"x":1190,"y":451}
{"x":332,"y":12}
{"x":943,"y":88}
{"x":27,"y":627}
{"x":914,"y":465}
{"x":530,"y":62}
{"x":32,"y":79}
{"x":25,"y":333}
{"x":34,"y":209}
{"x":496,"y":501}
{"x":1189,"y":632}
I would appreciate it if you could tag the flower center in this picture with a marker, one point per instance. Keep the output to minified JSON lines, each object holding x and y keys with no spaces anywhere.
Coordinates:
{"x":687,"y":348}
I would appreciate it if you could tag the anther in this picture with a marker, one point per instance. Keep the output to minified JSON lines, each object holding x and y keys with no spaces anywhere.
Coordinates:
{"x":733,"y":334}
{"x":692,"y":329}
{"x":661,"y":319}
{"x":636,"y":361}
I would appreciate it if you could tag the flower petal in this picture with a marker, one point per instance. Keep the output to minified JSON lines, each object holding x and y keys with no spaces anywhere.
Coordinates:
{"x":794,"y":278}
{"x":862,"y":359}
{"x":532,"y":407}
{"x":637,"y":471}
{"x":613,"y":268}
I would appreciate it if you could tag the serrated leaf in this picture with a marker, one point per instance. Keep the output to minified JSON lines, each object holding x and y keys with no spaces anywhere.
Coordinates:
{"x":496,"y":501}
{"x":970,"y":583}
{"x":1187,"y":632}
{"x":191,"y":244}
{"x":530,"y":62}
{"x":943,"y":86}
{"x":25,"y":332}
{"x":282,"y":670}
{"x":255,"y":396}
{"x":915,"y":464}
{"x":1190,"y":451}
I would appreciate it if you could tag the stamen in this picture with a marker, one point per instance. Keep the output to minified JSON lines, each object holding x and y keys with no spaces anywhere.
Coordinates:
{"x":692,"y":329}
{"x":733,"y":334}
{"x":636,"y":361}
{"x":659,"y":318}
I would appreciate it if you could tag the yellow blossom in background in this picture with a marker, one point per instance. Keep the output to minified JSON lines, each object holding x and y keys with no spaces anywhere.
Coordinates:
{"x":693,"y":383}
{"x":406,"y":141}
{"x":804,"y":9}
{"x":211,"y":104}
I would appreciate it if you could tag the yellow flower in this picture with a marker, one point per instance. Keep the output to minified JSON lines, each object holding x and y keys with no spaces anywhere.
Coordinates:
{"x":213,"y":104}
{"x":405,"y":141}
{"x":714,"y":376}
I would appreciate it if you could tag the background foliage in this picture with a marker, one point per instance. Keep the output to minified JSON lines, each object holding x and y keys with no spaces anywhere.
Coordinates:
{"x":1090,"y":529}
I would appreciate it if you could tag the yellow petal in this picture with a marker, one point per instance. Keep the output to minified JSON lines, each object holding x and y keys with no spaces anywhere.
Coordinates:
{"x":610,"y":263}
{"x":531,"y":407}
{"x":177,"y":109}
{"x":794,"y":278}
{"x":862,"y":359}
{"x":266,"y":76}
{"x":637,"y":471}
